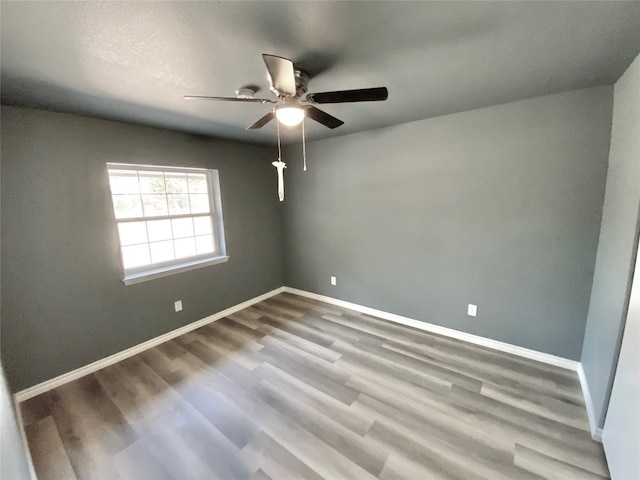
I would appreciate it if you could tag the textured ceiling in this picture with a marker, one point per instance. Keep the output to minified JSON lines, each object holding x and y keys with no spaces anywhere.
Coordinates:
{"x":133,"y":61}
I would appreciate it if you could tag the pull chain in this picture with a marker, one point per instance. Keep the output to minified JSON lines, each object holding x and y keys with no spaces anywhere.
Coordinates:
{"x":304,"y":149}
{"x":280,"y":166}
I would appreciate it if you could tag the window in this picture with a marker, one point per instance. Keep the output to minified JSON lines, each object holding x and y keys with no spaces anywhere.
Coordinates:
{"x":169,"y":219}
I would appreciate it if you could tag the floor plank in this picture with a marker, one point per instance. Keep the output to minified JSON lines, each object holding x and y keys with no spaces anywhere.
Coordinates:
{"x":50,"y":459}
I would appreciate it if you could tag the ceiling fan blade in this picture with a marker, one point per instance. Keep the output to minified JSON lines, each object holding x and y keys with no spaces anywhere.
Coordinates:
{"x":344,"y":96}
{"x":322,"y":117}
{"x":229,"y":99}
{"x":281,"y":74}
{"x":262,"y":122}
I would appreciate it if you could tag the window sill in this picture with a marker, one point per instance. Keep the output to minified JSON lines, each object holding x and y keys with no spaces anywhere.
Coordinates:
{"x":134,"y":278}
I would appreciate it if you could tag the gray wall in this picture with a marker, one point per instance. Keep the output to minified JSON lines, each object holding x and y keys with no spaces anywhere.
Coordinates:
{"x":13,"y":460}
{"x":63,"y":302}
{"x":617,"y":246}
{"x":499,"y":207}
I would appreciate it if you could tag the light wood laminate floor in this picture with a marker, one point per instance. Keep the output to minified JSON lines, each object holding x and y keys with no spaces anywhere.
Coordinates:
{"x":293,"y":388}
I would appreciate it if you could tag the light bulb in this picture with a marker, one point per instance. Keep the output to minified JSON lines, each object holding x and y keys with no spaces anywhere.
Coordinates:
{"x":290,"y":116}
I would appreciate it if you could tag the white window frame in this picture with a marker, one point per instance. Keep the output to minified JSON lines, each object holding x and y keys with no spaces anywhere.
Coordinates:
{"x":144,"y":273}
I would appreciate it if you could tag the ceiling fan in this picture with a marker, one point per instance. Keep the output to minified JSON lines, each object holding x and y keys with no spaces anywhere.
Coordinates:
{"x":290,"y":85}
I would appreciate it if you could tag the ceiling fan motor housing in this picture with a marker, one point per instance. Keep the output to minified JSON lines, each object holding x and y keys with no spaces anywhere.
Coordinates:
{"x":302,"y":81}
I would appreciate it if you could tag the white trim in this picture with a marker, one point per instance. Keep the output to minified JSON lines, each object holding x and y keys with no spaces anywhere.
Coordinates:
{"x":147,"y":275}
{"x":153,"y":168}
{"x":47,"y":385}
{"x":448,"y":332}
{"x":596,"y":432}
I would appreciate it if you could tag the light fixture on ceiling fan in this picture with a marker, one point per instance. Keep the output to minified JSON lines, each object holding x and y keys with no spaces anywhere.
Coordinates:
{"x":290,"y":84}
{"x":290,"y":115}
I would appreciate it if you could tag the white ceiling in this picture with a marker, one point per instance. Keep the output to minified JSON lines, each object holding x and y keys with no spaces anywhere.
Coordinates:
{"x":133,"y":61}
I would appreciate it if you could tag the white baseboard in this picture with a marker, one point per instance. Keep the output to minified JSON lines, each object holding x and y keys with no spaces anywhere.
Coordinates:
{"x":448,"y":332}
{"x":47,"y":385}
{"x":596,"y":432}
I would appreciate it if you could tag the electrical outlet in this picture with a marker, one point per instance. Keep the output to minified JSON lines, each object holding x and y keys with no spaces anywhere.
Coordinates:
{"x":333,"y":281}
{"x":472,"y":310}
{"x":177,"y":305}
